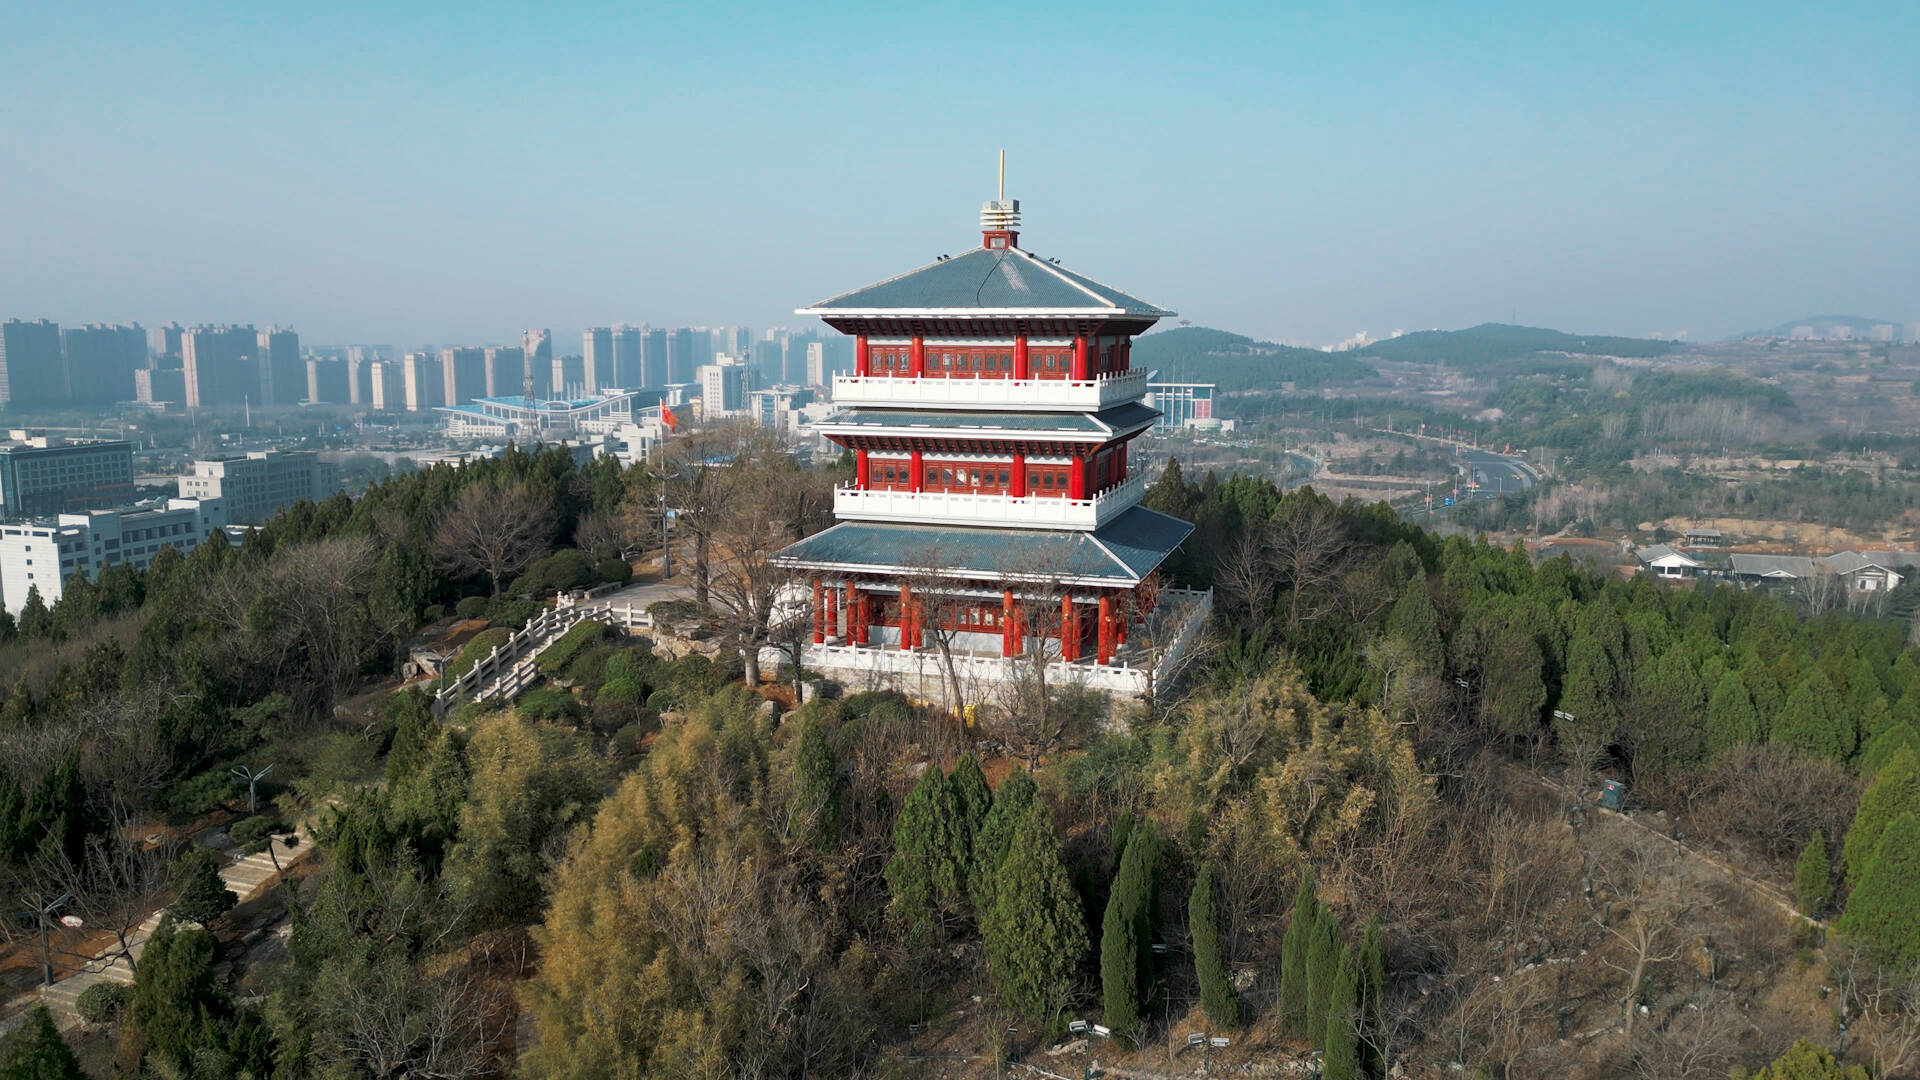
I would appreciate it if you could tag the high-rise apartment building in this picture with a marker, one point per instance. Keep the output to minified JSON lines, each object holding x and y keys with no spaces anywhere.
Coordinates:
{"x":221,"y":365}
{"x":42,"y":475}
{"x":538,"y":346}
{"x":687,"y":350}
{"x":257,"y":486}
{"x":327,"y":381}
{"x":596,"y":360}
{"x":388,"y":386}
{"x":283,"y":378}
{"x":653,"y":358}
{"x":423,"y":381}
{"x":101,"y":361}
{"x":463,"y":372}
{"x":816,"y":363}
{"x":166,"y":344}
{"x":160,"y":386}
{"x":32,"y":369}
{"x":626,"y":359}
{"x":506,"y":371}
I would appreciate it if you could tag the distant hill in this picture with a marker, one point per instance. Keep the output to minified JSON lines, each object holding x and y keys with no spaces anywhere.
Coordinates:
{"x":1494,"y":344}
{"x":1821,"y":324}
{"x":1202,"y":354}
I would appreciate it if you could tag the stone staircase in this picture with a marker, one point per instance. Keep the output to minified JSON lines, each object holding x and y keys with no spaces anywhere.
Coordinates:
{"x":248,"y":877}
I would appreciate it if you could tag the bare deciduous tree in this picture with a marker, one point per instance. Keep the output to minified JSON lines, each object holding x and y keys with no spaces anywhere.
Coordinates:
{"x":1312,"y":552}
{"x":1641,"y":916}
{"x":495,"y":529}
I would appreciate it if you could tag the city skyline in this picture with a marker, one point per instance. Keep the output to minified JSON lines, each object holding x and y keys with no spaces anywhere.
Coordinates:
{"x":1292,"y":177}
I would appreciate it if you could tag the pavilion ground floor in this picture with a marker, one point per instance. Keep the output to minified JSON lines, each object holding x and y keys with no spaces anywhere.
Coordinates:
{"x":932,"y":642}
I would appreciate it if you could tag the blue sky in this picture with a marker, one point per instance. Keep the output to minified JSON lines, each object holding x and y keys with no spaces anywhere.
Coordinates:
{"x":455,"y":172}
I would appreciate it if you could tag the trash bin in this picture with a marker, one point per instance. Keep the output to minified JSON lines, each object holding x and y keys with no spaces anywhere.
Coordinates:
{"x":1613,"y":795}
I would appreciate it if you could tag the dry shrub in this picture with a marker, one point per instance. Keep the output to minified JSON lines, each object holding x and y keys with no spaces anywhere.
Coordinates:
{"x":1762,"y":801}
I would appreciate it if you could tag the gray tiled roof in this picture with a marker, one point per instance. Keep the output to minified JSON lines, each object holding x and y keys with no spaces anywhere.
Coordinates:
{"x":1772,"y":565}
{"x":1119,"y":555}
{"x":1120,"y":419}
{"x":990,"y":280}
{"x":1660,"y":551}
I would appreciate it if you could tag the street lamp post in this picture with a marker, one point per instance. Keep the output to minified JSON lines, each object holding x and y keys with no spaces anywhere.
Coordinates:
{"x":251,"y":778}
{"x":1207,"y":1043}
{"x":1089,"y":1030}
{"x":43,"y":913}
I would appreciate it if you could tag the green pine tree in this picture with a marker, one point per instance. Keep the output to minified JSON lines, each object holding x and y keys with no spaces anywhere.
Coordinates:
{"x":1814,"y":719}
{"x":924,"y":875}
{"x":1731,"y":718}
{"x":36,"y":622}
{"x":1293,"y":957}
{"x":1017,"y":793}
{"x":198,"y":893}
{"x":1895,"y":790}
{"x":1883,"y":911}
{"x":813,"y":807}
{"x":35,"y":1051}
{"x":1125,"y":940}
{"x":176,"y":999}
{"x":1035,"y":933}
{"x":1209,"y":960}
{"x":1812,"y":881}
{"x":1340,"y":1059}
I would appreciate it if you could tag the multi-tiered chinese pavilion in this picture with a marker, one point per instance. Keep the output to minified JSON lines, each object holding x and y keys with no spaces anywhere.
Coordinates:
{"x":990,"y":414}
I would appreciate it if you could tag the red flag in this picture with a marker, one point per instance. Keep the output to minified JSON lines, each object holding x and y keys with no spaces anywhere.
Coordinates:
{"x":667,"y":418}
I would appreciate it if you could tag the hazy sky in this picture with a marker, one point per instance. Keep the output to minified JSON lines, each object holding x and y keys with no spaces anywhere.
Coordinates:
{"x":455,"y":172}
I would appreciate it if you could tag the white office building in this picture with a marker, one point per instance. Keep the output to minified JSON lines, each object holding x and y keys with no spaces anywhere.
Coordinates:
{"x":255,"y":487}
{"x":44,"y":554}
{"x":723,"y":388}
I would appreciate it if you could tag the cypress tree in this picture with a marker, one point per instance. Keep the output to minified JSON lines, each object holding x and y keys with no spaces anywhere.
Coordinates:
{"x":1122,"y":832}
{"x":1293,"y":957}
{"x":1373,"y":993}
{"x":1881,"y":748}
{"x":1812,"y":884}
{"x":923,"y":874}
{"x":1340,"y":1042}
{"x":1323,"y":963}
{"x":1814,"y":720}
{"x":1017,"y":793}
{"x":1035,"y":933}
{"x":175,"y":995}
{"x":1209,"y":962}
{"x":1883,"y":912}
{"x":1415,"y":623}
{"x":1731,"y":718}
{"x":1125,"y":938}
{"x":198,"y":893}
{"x":1895,"y":790}
{"x":37,"y":1052}
{"x":974,"y":798}
{"x":813,"y":808}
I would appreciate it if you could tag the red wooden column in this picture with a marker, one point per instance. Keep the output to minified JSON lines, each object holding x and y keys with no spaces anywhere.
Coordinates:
{"x":860,"y":470}
{"x":1006,"y":622}
{"x":862,"y":359}
{"x":853,"y":634}
{"x":832,"y":611}
{"x":1126,"y":354}
{"x":1079,"y":371}
{"x":1077,"y":477}
{"x":819,"y":634}
{"x":862,"y":618}
{"x":1018,"y":622}
{"x":1103,"y":649}
{"x":1017,"y":477}
{"x":1069,"y":630}
{"x":916,"y":471}
{"x":906,"y":619}
{"x":1022,"y":366}
{"x":917,"y":357}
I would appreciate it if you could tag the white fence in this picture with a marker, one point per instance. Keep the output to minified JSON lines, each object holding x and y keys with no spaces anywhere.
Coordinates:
{"x":985,"y":508}
{"x":512,"y":666}
{"x":1022,"y":394}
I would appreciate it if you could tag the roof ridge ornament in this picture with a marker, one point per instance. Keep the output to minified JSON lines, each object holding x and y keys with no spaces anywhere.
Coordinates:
{"x":1000,"y":218}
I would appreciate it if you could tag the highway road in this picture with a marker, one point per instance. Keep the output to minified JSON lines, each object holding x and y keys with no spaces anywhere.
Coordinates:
{"x":1483,"y":475}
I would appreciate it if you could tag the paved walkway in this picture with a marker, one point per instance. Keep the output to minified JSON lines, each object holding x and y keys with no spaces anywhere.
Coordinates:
{"x":247,"y":877}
